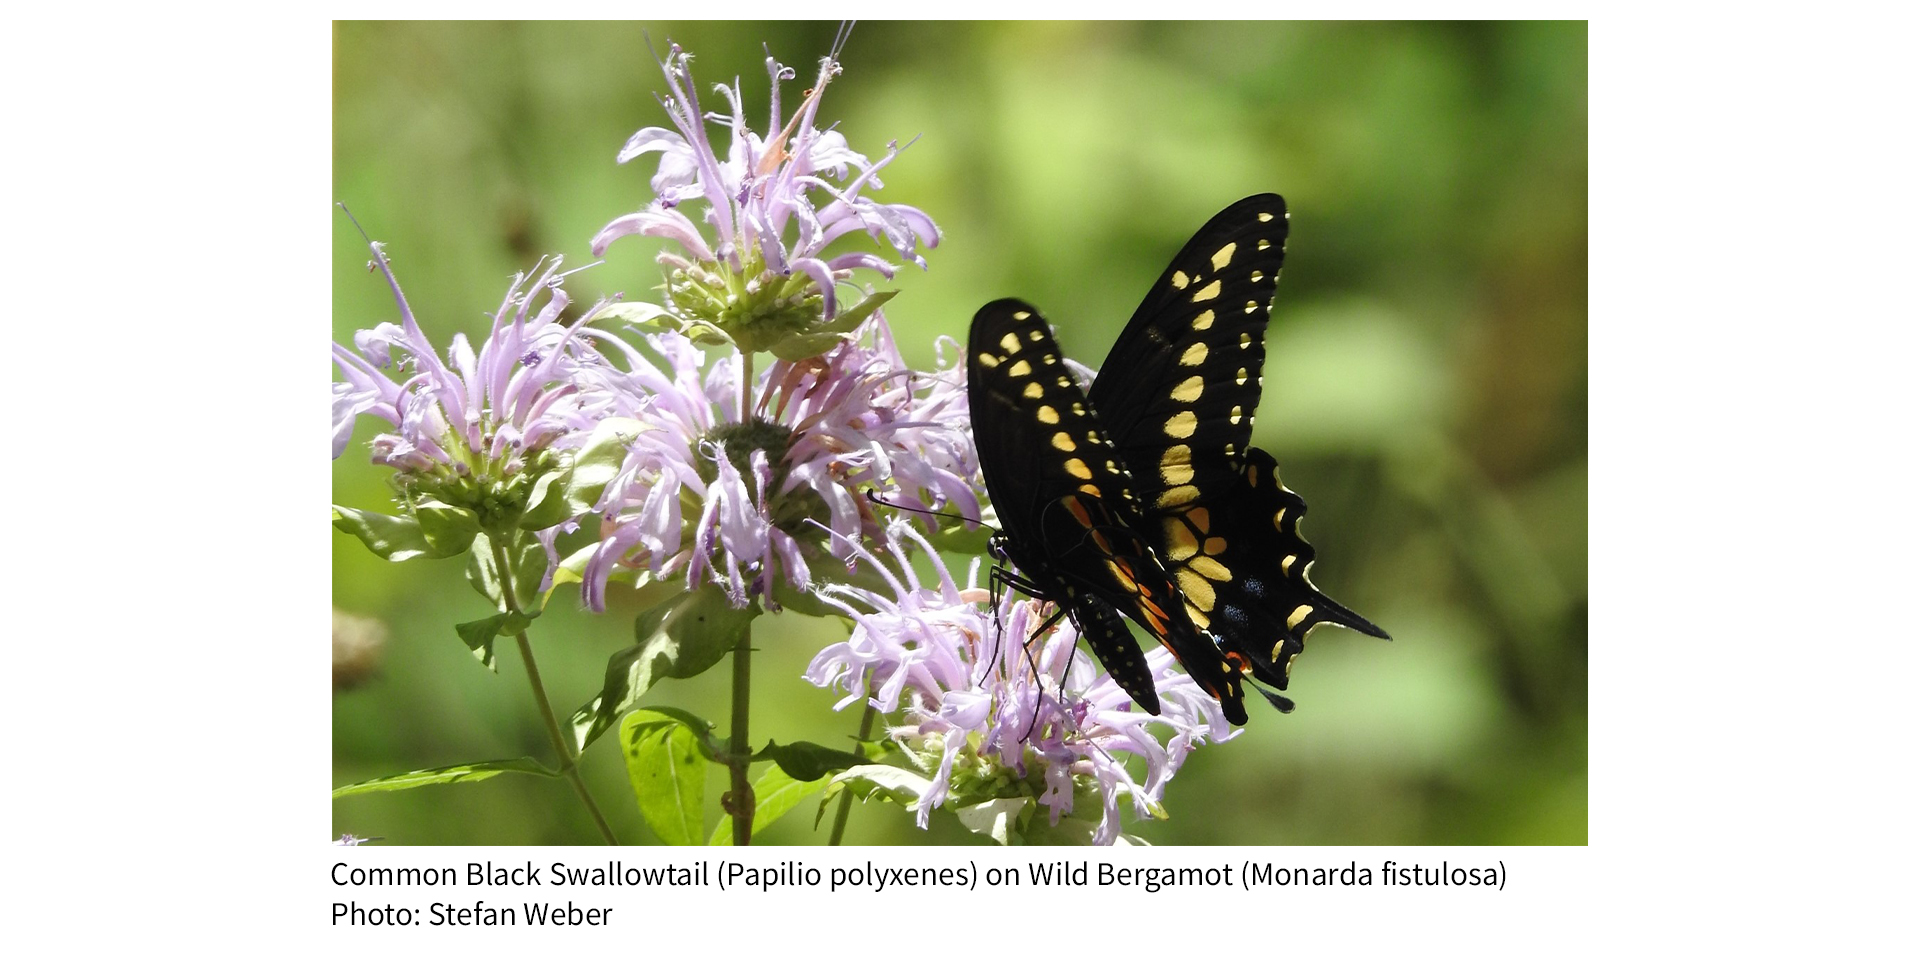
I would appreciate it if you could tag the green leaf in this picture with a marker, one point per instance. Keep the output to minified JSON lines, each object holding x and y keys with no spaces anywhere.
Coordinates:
{"x":529,"y":567}
{"x":668,"y":776}
{"x":849,"y":320}
{"x":480,"y":634}
{"x":702,"y":332}
{"x":449,"y":530}
{"x":800,"y":346}
{"x":1070,"y":831}
{"x":997,"y":819}
{"x":575,"y":488}
{"x":806,"y":761}
{"x":547,"y":501}
{"x":702,"y":729}
{"x":679,"y":638}
{"x":392,"y":538}
{"x":466,"y":773}
{"x":887,"y":782}
{"x":598,"y":462}
{"x":636,"y":312}
{"x":774,"y":793}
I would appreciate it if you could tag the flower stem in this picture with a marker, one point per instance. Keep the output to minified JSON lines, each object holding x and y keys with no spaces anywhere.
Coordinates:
{"x":740,"y":800}
{"x":746,"y":385}
{"x":846,"y":799}
{"x":568,"y":766}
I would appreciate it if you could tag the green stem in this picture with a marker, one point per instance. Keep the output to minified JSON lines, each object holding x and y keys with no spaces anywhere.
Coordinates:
{"x":568,"y":762}
{"x":739,"y":749}
{"x":746,"y":385}
{"x":846,"y":799}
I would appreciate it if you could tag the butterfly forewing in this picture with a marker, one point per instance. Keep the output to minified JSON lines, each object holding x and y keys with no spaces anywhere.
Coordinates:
{"x":1179,"y":391}
{"x":1181,"y":385}
{"x":1069,"y":517}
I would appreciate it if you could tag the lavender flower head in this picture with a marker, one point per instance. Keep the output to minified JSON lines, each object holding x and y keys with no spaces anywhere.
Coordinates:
{"x":743,"y":474}
{"x":748,"y":505}
{"x":993,"y":729}
{"x":774,"y":204}
{"x":478,"y":432}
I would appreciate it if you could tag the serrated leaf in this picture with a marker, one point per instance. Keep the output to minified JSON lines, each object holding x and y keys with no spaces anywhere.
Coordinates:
{"x":480,"y":634}
{"x":449,"y":530}
{"x":392,"y":538}
{"x":668,"y":775}
{"x":464,"y":773}
{"x":774,"y":794}
{"x":994,"y":818}
{"x":806,"y":761}
{"x":681,"y":637}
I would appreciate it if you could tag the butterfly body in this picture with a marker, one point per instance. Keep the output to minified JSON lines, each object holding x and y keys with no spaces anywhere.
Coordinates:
{"x":1143,"y":494}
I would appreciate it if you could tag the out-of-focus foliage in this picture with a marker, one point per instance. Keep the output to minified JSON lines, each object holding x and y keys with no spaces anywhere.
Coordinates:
{"x":1425,"y":391}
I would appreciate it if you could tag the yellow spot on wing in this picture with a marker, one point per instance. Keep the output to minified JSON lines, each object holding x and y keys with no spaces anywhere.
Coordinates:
{"x":1063,"y":442}
{"x":1286,"y":564}
{"x":1222,"y":257}
{"x":1047,"y":415}
{"x":989,"y":360}
{"x":1175,"y":496}
{"x":1176,"y":465}
{"x":1194,"y":355}
{"x":1200,"y":518}
{"x":1210,"y":568}
{"x":1181,"y":544}
{"x":1032,"y":390}
{"x":1299,"y":613}
{"x":1198,"y":590}
{"x":1020,"y":370}
{"x":1209,"y":291}
{"x":1010,"y":344}
{"x":1216,"y":546}
{"x":1179,"y":279}
{"x":1204,"y":320}
{"x":1022,"y":315}
{"x":1181,"y":425}
{"x":1078,"y":467}
{"x":1190,"y":389}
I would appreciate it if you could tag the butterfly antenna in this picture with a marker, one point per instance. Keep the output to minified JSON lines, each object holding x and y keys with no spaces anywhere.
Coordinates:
{"x":882,"y":501}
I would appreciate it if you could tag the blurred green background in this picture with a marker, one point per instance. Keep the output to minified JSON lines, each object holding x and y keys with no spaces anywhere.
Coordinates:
{"x":1426,"y":385}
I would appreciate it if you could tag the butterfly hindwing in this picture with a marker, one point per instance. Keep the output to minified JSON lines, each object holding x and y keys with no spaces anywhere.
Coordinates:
{"x":1070,"y":520}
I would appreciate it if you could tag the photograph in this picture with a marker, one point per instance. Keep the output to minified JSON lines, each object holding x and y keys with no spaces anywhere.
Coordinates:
{"x":958,"y":433}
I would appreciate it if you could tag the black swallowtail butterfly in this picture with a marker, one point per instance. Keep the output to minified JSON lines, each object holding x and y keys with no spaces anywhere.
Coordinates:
{"x":1142,"y":496}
